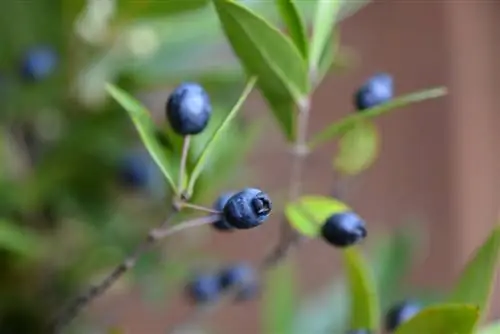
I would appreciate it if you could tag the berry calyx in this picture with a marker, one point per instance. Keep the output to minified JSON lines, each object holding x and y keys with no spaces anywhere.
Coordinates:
{"x":401,"y":313}
{"x":219,"y":204}
{"x":241,"y":276}
{"x":377,"y":90}
{"x":204,"y":288}
{"x":38,"y":63}
{"x":344,"y":229}
{"x":188,"y":109}
{"x":247,"y":209}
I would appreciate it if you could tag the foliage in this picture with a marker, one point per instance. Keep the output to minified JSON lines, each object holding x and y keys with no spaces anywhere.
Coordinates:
{"x":66,"y":217}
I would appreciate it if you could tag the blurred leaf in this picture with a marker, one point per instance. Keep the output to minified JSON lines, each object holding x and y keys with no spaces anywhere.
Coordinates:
{"x":493,"y":328}
{"x":280,"y":298}
{"x":19,"y":240}
{"x":146,"y":128}
{"x":316,"y":316}
{"x":148,"y":8}
{"x":268,"y":54}
{"x":326,"y":15}
{"x":293,"y":21}
{"x":116,"y":330}
{"x":309,"y":212}
{"x":440,"y":319}
{"x":394,"y":259}
{"x":347,"y":122}
{"x":476,"y":281}
{"x":365,"y":312}
{"x":198,"y":167}
{"x":358,"y":148}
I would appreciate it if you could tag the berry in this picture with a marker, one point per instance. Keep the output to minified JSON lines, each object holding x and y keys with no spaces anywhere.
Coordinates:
{"x":204,"y":288}
{"x":247,"y":209}
{"x":400,"y":313}
{"x":38,"y":63}
{"x":344,"y":229}
{"x":377,"y":90}
{"x":188,"y":109}
{"x":359,"y":331}
{"x":221,"y":224}
{"x":244,"y":277}
{"x":134,"y":170}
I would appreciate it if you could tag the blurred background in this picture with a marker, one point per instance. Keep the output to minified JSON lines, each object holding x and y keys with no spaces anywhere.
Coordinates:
{"x":78,"y":191}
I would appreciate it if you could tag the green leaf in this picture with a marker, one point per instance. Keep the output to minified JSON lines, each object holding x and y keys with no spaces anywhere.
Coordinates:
{"x":440,"y":319}
{"x":20,"y":241}
{"x":476,"y":281}
{"x":268,"y":54}
{"x":146,"y":128}
{"x":326,"y":15}
{"x":309,"y":212}
{"x":365,"y":312}
{"x":493,"y":328}
{"x":294,"y":24}
{"x":347,"y":122}
{"x":358,"y":148}
{"x":200,"y":163}
{"x":280,"y":299}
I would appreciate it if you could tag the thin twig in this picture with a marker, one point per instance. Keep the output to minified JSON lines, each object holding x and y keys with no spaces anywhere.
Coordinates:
{"x":97,"y":290}
{"x":288,"y":237}
{"x":199,"y":208}
{"x":182,"y":168}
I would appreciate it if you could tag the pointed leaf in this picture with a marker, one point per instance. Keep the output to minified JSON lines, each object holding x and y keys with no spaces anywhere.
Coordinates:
{"x":476,"y":282}
{"x":308,"y":214}
{"x":294,"y":23}
{"x":326,"y":15}
{"x":146,"y":128}
{"x":347,"y":122}
{"x":280,"y":299}
{"x":270,"y":55}
{"x":358,"y":148}
{"x":440,"y":319}
{"x":198,"y":166}
{"x":365,"y":311}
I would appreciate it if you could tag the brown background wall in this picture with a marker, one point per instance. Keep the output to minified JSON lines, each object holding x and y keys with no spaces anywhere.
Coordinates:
{"x":438,"y":161}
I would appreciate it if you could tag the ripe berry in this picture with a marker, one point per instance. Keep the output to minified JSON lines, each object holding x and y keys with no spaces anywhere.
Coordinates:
{"x":241,"y":276}
{"x":38,"y":63}
{"x":219,"y":204}
{"x":247,"y":209}
{"x":359,"y":331}
{"x":188,"y":109}
{"x":377,"y":90}
{"x":344,"y":229}
{"x":204,"y":288}
{"x":400,"y":313}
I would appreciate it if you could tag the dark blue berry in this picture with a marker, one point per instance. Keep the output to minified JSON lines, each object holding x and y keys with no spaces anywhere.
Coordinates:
{"x":377,"y":90}
{"x":188,"y":109}
{"x":400,"y":313}
{"x":39,"y":63}
{"x":204,"y":288}
{"x":241,"y":276}
{"x":219,"y":204}
{"x":359,"y":331}
{"x":247,"y":209}
{"x":344,"y":229}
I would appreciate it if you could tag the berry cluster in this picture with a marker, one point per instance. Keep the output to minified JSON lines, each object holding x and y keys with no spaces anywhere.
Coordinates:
{"x":207,"y":287}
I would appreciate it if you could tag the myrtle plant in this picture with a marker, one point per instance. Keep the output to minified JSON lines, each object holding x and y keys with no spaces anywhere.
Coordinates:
{"x":286,"y":69}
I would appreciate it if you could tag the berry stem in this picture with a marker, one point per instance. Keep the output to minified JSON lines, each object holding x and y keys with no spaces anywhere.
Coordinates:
{"x":182,"y":168}
{"x":88,"y":296}
{"x":160,"y":233}
{"x":198,"y":208}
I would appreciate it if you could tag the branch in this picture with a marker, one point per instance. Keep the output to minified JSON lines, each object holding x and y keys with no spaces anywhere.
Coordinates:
{"x":155,"y":235}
